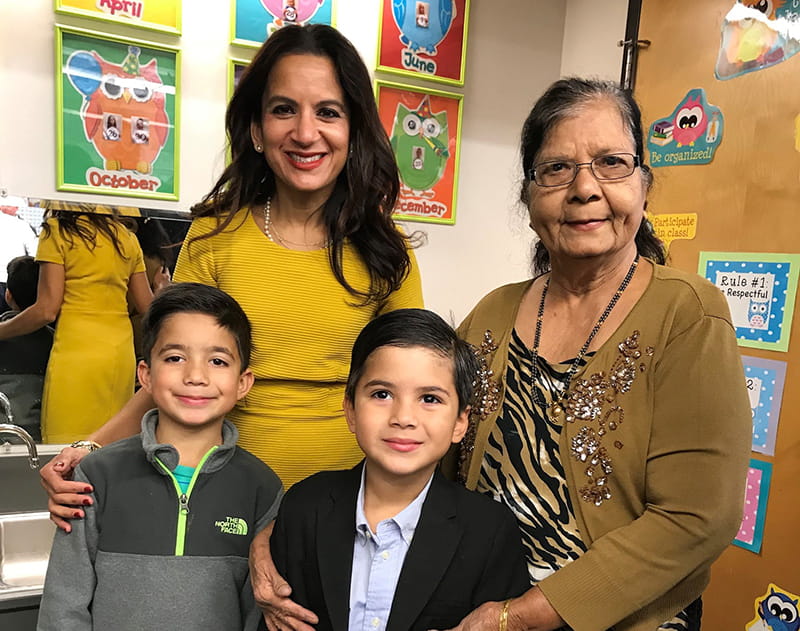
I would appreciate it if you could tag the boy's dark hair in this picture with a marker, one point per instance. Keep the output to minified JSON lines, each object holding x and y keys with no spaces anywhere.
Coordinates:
{"x":416,"y":327}
{"x":197,"y":298}
{"x":23,"y":280}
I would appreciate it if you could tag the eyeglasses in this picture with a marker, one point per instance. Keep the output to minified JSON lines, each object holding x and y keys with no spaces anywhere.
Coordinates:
{"x":612,"y":166}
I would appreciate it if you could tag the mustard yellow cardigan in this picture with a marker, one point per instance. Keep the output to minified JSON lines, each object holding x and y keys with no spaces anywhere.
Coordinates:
{"x":661,"y":415}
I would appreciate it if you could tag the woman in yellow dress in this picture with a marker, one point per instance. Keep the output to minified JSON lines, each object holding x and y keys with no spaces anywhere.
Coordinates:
{"x":89,"y":263}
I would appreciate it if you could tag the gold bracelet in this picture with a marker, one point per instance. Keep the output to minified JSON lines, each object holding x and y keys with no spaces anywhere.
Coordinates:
{"x":504,"y":615}
{"x":86,"y":444}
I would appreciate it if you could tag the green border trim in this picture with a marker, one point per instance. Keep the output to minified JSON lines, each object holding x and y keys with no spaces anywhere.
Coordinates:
{"x":456,"y":165}
{"x":150,"y":26}
{"x":422,"y":75}
{"x":60,"y":29}
{"x":793,"y":260}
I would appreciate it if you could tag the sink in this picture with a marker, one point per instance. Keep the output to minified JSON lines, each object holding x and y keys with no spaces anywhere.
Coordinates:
{"x":25,"y":540}
{"x":26,"y":532}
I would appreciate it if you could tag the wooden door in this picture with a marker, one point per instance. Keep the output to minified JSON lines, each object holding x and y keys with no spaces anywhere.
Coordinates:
{"x":747,"y":200}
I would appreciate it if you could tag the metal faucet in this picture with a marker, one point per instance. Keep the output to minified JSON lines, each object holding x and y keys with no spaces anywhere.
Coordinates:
{"x":10,"y":428}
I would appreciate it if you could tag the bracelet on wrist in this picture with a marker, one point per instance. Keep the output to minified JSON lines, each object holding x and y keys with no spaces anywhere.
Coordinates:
{"x":86,"y":444}
{"x":504,"y":615}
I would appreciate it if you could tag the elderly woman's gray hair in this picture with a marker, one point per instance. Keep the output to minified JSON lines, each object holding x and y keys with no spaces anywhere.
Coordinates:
{"x":563,"y":99}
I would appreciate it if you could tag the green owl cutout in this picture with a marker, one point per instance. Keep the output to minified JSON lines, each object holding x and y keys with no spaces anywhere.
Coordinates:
{"x":419,"y":140}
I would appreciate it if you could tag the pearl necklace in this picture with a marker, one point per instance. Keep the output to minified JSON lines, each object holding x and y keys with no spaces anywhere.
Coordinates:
{"x":281,"y":240}
{"x":581,"y":353}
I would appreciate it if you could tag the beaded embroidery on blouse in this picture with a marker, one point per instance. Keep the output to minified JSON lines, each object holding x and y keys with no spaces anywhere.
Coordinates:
{"x":485,"y":402}
{"x":595,"y":400}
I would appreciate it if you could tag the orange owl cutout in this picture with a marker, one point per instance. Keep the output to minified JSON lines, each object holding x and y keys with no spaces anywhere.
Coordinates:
{"x":125,"y":116}
{"x":767,"y":7}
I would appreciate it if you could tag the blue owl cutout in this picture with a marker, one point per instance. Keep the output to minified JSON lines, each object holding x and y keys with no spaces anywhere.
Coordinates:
{"x":777,"y":612}
{"x":758,"y":314}
{"x":84,"y":72}
{"x":423,"y":25}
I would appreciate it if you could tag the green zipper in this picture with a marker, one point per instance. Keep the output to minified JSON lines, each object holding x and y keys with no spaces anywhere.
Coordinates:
{"x":183,"y":499}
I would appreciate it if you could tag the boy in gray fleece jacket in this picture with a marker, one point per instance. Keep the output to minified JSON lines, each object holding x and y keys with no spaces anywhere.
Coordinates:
{"x":165,"y":542}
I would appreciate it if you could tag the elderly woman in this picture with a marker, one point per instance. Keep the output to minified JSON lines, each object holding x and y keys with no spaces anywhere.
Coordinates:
{"x":619,"y":406}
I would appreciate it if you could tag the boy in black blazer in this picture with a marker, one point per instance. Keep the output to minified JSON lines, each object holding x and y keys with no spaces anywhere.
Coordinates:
{"x":391,"y":545}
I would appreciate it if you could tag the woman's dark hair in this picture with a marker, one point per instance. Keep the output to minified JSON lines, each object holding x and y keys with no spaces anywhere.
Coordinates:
{"x":563,"y":99}
{"x":415,"y":327}
{"x":71,"y":227}
{"x":197,"y":298}
{"x":360,"y":208}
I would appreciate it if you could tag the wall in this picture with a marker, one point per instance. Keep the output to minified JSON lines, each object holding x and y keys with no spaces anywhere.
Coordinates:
{"x":592,"y":31}
{"x":509,"y":62}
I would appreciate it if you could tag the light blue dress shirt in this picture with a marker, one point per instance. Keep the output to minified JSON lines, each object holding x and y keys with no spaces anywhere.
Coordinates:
{"x":377,"y":560}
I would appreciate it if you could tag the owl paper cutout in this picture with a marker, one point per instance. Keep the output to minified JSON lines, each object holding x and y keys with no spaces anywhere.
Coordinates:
{"x":690,"y":122}
{"x":691,"y":134}
{"x":124,"y":108}
{"x":285,"y":12}
{"x":767,"y":7}
{"x":776,"y":611}
{"x":755,"y":36}
{"x":758,"y":314}
{"x":423,"y":24}
{"x":420,"y":143}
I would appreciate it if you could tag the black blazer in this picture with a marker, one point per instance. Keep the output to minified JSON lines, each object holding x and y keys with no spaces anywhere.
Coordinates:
{"x":466,"y":551}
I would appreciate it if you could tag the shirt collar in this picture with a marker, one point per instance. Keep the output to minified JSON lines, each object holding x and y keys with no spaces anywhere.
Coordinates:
{"x":406,"y":520}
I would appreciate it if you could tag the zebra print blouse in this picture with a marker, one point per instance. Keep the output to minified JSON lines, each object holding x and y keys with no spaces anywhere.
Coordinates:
{"x":522,"y":468}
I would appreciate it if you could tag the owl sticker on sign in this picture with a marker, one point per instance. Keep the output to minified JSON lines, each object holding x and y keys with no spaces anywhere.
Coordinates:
{"x":419,"y":140}
{"x":121,"y":103}
{"x":423,"y":24}
{"x":758,"y":314}
{"x":690,"y":122}
{"x":690,"y":135}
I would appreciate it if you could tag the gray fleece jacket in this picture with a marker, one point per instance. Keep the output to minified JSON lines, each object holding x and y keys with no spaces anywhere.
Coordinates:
{"x":148,"y":556}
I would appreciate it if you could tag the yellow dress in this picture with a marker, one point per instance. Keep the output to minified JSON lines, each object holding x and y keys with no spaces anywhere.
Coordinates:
{"x":304,"y":325}
{"x":91,"y":371}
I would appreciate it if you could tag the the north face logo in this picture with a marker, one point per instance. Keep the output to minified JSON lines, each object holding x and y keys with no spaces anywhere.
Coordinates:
{"x":232,"y":526}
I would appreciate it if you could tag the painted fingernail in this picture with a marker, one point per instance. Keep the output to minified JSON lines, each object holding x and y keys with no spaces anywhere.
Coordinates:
{"x":76,"y":514}
{"x":86,"y":501}
{"x":87,"y":489}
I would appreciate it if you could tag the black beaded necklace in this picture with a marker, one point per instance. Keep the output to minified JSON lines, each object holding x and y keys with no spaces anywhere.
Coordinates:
{"x":581,"y":353}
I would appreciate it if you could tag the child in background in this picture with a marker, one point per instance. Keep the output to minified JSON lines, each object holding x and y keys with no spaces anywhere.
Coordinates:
{"x":392,"y":544}
{"x":23,"y":359}
{"x":165,"y":541}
